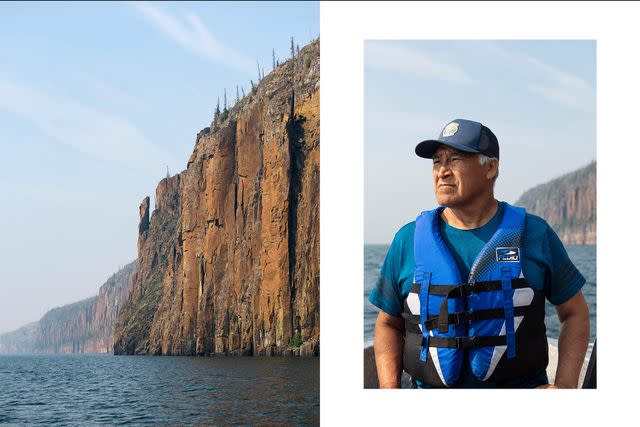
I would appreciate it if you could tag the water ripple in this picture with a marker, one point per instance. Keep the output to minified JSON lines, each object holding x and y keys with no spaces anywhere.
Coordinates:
{"x":94,"y":389}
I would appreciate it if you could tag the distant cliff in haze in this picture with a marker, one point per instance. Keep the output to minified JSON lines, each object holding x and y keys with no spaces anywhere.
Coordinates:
{"x":568,"y":204}
{"x":81,"y":327}
{"x":20,"y":341}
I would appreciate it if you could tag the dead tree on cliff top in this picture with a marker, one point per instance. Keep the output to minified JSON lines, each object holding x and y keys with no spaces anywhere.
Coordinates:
{"x":273,"y":57}
{"x":225,"y":111}
{"x":237,"y":94}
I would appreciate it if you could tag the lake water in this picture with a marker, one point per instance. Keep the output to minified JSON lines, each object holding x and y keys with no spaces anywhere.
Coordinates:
{"x":105,"y":389}
{"x":584,"y":257}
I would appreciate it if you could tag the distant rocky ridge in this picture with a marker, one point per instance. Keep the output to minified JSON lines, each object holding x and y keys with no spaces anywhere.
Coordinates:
{"x":20,"y":341}
{"x":82,"y":327}
{"x":568,"y":204}
{"x":228,"y":261}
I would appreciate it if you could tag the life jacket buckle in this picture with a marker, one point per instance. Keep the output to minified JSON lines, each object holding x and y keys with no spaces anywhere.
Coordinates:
{"x":463,"y":290}
{"x":461,"y":317}
{"x":463,"y":343}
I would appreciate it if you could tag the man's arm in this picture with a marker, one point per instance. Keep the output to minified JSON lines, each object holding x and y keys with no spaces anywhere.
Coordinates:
{"x":387,"y":344}
{"x":573,"y":340}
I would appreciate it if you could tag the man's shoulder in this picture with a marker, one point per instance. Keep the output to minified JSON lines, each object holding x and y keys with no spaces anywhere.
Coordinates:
{"x":535,"y":226}
{"x":405,"y":233}
{"x":403,"y":239}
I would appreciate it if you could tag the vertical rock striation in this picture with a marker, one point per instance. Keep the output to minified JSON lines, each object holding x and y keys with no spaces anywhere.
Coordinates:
{"x":568,"y":204}
{"x":229,"y":261}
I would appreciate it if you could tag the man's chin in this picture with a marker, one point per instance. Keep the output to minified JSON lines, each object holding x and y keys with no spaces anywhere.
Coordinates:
{"x":447,"y":201}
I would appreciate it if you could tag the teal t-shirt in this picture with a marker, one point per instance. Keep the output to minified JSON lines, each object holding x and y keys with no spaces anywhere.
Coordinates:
{"x":545,"y":262}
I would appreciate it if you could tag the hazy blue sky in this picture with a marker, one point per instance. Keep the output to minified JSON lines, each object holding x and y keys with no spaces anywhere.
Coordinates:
{"x":538,"y":97}
{"x":96,"y":101}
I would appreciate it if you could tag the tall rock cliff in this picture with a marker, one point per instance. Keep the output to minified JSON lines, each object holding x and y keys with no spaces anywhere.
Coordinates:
{"x":82,"y":327}
{"x":568,"y":204}
{"x":228,"y":262}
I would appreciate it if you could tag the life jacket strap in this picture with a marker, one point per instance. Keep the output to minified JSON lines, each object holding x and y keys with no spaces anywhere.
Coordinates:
{"x":425,"y":281}
{"x":509,"y":312}
{"x":469,"y":288}
{"x":464,"y":317}
{"x":464,"y":343}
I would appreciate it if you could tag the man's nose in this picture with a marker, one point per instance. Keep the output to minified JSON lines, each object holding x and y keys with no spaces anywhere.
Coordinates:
{"x":443,"y":170}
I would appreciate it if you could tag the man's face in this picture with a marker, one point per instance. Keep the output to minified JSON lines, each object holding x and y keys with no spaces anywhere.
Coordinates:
{"x":458,"y":177}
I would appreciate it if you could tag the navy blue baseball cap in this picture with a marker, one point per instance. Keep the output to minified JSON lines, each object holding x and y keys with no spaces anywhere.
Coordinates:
{"x":463,"y":135}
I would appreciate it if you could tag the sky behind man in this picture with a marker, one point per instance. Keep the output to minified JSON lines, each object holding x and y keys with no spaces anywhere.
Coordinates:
{"x":539,"y":96}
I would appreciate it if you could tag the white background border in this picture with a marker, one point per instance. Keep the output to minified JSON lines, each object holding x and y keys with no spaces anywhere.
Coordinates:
{"x":343,"y":28}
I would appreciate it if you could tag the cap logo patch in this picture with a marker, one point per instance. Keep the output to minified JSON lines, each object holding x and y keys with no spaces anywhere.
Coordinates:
{"x":450,"y":129}
{"x":507,"y":254}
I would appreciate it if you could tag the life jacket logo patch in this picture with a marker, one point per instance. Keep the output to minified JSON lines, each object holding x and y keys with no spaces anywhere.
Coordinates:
{"x":507,"y":254}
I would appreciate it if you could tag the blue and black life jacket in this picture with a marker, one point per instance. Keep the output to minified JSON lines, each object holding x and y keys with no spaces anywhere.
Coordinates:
{"x":493,"y":319}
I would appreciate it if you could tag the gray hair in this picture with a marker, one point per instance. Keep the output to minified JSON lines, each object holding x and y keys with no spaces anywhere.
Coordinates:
{"x":484,"y":159}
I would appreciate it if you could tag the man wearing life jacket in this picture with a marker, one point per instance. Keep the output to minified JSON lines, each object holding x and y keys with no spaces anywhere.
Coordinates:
{"x":462,"y":288}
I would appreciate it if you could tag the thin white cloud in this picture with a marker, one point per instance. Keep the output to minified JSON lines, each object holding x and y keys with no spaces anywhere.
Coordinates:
{"x":415,"y":125}
{"x":81,"y":127}
{"x":563,"y":88}
{"x":106,"y":94}
{"x":48,"y":193}
{"x":193,"y":35}
{"x":403,"y":59}
{"x":552,"y":83}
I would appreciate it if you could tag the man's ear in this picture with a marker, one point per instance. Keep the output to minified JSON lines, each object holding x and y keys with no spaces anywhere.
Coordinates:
{"x":492,"y":172}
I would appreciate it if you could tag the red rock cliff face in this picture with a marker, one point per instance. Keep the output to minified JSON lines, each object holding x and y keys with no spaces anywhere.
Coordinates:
{"x":229,"y":261}
{"x":568,"y":203}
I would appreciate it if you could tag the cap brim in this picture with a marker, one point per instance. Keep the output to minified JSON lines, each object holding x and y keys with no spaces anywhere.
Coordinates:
{"x":427,"y":149}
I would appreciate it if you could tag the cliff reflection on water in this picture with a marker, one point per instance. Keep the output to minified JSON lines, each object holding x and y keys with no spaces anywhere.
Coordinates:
{"x":93,"y":389}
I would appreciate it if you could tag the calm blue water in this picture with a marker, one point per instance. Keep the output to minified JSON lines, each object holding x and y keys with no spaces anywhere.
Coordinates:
{"x":104,"y":389}
{"x":584,"y":257}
